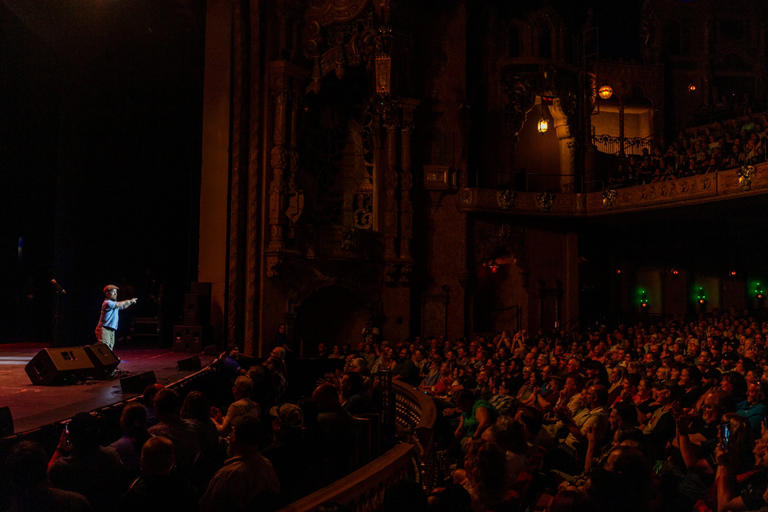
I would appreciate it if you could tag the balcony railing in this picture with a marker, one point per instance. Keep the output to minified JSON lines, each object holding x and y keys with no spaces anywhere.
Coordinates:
{"x":364,"y":489}
{"x":701,"y":188}
{"x":611,"y":144}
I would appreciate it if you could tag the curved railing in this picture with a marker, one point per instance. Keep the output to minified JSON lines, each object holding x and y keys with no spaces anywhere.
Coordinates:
{"x":364,"y":489}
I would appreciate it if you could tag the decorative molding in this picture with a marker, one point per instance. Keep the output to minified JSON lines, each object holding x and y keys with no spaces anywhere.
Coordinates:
{"x":544,"y":201}
{"x":467,"y":197}
{"x":506,"y":198}
{"x":327,"y":12}
{"x":609,"y":198}
{"x":703,"y":188}
{"x":746,"y":173}
{"x":439,"y":177}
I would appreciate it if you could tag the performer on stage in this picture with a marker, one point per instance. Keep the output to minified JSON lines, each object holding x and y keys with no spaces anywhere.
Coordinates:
{"x":105,"y":330}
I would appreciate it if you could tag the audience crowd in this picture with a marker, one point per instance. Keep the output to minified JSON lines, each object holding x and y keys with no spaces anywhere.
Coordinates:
{"x":727,"y":144}
{"x":179,"y":452}
{"x":661,"y":416}
{"x":666,"y":416}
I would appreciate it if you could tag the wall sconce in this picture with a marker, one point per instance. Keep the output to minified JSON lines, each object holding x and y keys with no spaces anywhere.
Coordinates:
{"x":691,"y":87}
{"x":605,"y":92}
{"x":543,"y":125}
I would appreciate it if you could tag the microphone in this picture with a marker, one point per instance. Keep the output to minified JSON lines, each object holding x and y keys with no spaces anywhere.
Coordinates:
{"x":59,"y":289}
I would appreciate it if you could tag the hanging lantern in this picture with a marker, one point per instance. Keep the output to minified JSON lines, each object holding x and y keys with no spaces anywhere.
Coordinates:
{"x":605,"y":92}
{"x":543,"y":125}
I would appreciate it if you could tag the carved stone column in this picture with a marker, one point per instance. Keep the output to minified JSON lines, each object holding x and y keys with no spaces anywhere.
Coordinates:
{"x":279,"y":162}
{"x":390,"y":184}
{"x":406,"y":191}
{"x":566,"y":143}
{"x":237,"y":180}
{"x":255,"y":167}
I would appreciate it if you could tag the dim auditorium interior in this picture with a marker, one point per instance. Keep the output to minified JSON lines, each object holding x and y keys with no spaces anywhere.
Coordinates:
{"x":384,"y":255}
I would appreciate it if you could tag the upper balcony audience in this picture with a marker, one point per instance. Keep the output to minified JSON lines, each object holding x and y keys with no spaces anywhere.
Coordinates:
{"x":718,"y":146}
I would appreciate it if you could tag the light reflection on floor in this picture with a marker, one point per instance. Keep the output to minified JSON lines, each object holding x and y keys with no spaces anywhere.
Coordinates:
{"x":32,"y":406}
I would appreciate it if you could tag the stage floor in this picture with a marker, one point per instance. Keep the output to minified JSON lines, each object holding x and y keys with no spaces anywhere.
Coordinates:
{"x":34,"y":406}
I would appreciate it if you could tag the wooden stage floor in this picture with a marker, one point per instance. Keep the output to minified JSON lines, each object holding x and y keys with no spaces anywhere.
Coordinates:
{"x":34,"y":406}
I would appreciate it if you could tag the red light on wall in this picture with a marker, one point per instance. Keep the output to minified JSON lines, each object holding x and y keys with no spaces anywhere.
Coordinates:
{"x":675,"y":272}
{"x":691,"y":87}
{"x":618,"y":271}
{"x":732,"y":273}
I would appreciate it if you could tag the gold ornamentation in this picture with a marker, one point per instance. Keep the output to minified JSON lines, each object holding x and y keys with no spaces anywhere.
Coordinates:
{"x":609,"y":198}
{"x":468,"y":197}
{"x":544,"y":201}
{"x":746,"y":174}
{"x":506,"y":198}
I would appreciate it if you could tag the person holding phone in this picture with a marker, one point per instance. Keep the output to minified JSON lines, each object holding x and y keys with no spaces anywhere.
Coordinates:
{"x":739,"y":484}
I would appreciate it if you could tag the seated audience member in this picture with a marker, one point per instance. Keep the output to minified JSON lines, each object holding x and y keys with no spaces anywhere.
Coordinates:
{"x":745,"y":491}
{"x":185,"y":439}
{"x":242,"y":406}
{"x":28,"y":488}
{"x":476,"y":416}
{"x":509,"y":435}
{"x":148,"y":399}
{"x":753,"y":408}
{"x":159,"y":487}
{"x":355,"y":398}
{"x":288,"y":452}
{"x":196,"y":413}
{"x":247,"y":480}
{"x":80,"y":464}
{"x":334,"y":429}
{"x":406,"y":368}
{"x":133,"y":422}
{"x":486,"y":478}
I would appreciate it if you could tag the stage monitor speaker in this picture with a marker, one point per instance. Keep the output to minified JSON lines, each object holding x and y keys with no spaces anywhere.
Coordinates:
{"x":59,"y":365}
{"x":190,"y":364}
{"x":104,"y":360}
{"x":188,"y":338}
{"x":6,"y":422}
{"x":137,"y":383}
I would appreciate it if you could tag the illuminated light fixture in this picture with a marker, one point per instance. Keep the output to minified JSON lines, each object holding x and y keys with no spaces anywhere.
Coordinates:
{"x":691,"y":87}
{"x":732,"y":273}
{"x":605,"y":92}
{"x":759,"y":292}
{"x":618,"y":271}
{"x":675,"y":272}
{"x":701,"y":297}
{"x":643,"y":299}
{"x":543,"y":125}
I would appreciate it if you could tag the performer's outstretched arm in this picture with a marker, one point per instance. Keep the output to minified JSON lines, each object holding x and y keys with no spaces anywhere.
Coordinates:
{"x":123,"y":304}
